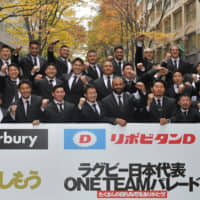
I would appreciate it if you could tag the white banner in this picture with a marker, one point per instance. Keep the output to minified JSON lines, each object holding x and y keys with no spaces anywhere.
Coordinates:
{"x":99,"y":161}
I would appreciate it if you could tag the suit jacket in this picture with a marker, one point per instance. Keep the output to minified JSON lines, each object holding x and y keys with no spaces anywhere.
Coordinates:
{"x":101,"y":88}
{"x":44,"y":89}
{"x":92,"y":74}
{"x":167,"y":110}
{"x":8,"y":89}
{"x":140,"y":59}
{"x":74,"y":94}
{"x":112,"y":108}
{"x":88,"y":114}
{"x":35,"y":112}
{"x":52,"y":114}
{"x":117,"y":68}
{"x":61,"y":65}
{"x":4,"y":112}
{"x":129,"y":87}
{"x":184,"y":67}
{"x":26,"y":64}
{"x":192,"y":116}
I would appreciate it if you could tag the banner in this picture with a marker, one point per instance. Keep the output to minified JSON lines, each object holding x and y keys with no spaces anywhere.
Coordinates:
{"x":99,"y":161}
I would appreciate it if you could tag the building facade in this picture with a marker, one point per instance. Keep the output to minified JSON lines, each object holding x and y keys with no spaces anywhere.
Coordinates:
{"x":182,"y":18}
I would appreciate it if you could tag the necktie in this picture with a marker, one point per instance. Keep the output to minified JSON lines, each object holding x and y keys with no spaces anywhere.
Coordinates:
{"x":159,"y":103}
{"x":95,"y":71}
{"x":27,"y":108}
{"x":51,"y":83}
{"x":60,"y":106}
{"x":119,"y":101}
{"x":119,"y":63}
{"x":16,"y":91}
{"x":175,"y":64}
{"x":7,"y":63}
{"x":35,"y":61}
{"x":95,"y":108}
{"x":109,"y":83}
{"x":185,"y":114}
{"x":74,"y":82}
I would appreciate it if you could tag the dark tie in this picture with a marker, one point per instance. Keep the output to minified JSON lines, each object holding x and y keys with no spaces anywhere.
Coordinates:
{"x":16,"y":91}
{"x":95,"y":71}
{"x":60,"y":106}
{"x":28,"y":107}
{"x":119,"y":63}
{"x":175,"y":64}
{"x":185,"y":114}
{"x":35,"y":61}
{"x":159,"y":103}
{"x":74,"y":82}
{"x":95,"y":108}
{"x":109,"y":83}
{"x":7,"y":63}
{"x":119,"y":100}
{"x":51,"y":83}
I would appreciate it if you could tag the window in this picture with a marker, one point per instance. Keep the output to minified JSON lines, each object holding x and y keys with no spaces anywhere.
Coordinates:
{"x":190,"y":13}
{"x":178,"y":20}
{"x":168,"y":25}
{"x":192,"y":43}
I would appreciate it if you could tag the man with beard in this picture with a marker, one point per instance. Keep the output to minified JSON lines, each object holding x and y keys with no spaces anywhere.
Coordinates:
{"x":115,"y":102}
{"x":118,"y":61}
{"x":62,"y":62}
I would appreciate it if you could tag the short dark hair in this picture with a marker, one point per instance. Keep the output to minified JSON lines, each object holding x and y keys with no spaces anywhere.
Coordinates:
{"x":128,"y":64}
{"x":13,"y":65}
{"x":78,"y":59}
{"x":56,"y":87}
{"x":159,"y":81}
{"x":51,"y":64}
{"x":91,"y":51}
{"x":118,"y":47}
{"x":34,"y":42}
{"x":5,"y":47}
{"x":183,"y":95}
{"x":25,"y":81}
{"x":64,"y":46}
{"x":89,"y":86}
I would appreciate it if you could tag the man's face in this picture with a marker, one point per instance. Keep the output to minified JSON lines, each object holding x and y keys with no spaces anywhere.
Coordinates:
{"x":13,"y":72}
{"x":184,"y":102}
{"x":129,"y":72}
{"x":174,"y":52}
{"x":177,"y":78}
{"x":25,"y":90}
{"x":119,"y":53}
{"x":64,"y":52}
{"x":5,"y":53}
{"x":91,"y":95}
{"x":148,"y":55}
{"x":51,"y":71}
{"x":108,"y":68}
{"x":77,"y":67}
{"x":118,"y":86}
{"x":158,"y":89}
{"x":58,"y":94}
{"x":92,"y":58}
{"x":34,"y":49}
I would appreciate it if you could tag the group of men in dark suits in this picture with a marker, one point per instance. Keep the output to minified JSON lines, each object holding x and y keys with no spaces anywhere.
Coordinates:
{"x":56,"y":90}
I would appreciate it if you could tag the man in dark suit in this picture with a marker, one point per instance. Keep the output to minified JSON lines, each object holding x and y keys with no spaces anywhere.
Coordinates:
{"x":159,"y":107}
{"x":58,"y":110}
{"x":9,"y":85}
{"x":45,"y":85}
{"x":186,"y":112}
{"x":129,"y":77}
{"x":28,"y":108}
{"x":118,"y":61}
{"x":75,"y":81}
{"x":32,"y":63}
{"x":3,"y":111}
{"x":62,"y":62}
{"x":5,"y":57}
{"x":179,"y":87}
{"x":175,"y":63}
{"x":143,"y":62}
{"x":104,"y":84}
{"x":90,"y":109}
{"x":94,"y":70}
{"x":115,"y":102}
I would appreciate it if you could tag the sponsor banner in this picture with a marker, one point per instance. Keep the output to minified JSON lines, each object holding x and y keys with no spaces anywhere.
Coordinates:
{"x":99,"y":161}
{"x":23,"y":139}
